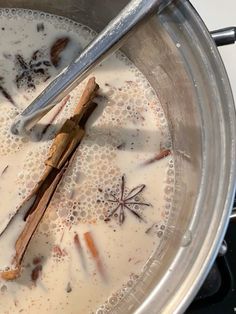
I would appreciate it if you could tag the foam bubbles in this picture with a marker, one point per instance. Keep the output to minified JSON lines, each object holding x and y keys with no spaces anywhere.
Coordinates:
{"x":128,"y":128}
{"x":117,"y":297}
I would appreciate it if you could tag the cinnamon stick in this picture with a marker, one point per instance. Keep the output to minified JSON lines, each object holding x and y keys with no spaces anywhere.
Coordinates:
{"x":60,"y":155}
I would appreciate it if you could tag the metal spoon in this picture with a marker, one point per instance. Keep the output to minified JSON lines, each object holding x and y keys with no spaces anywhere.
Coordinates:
{"x":109,"y":40}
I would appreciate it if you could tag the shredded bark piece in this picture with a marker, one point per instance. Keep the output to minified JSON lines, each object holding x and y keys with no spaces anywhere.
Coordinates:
{"x":36,"y":272}
{"x":57,"y":48}
{"x":4,"y":170}
{"x":88,"y":237}
{"x":68,"y":288}
{"x":159,"y":156}
{"x":40,"y":27}
{"x":58,"y":251}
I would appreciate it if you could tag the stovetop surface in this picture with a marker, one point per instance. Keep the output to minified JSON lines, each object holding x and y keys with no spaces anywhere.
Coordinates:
{"x":218,"y":293}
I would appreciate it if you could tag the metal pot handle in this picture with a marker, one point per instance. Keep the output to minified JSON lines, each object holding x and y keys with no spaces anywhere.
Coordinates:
{"x":224,"y":36}
{"x":233,"y":214}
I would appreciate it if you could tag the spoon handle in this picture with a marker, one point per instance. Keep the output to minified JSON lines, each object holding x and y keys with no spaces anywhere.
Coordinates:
{"x":109,"y":40}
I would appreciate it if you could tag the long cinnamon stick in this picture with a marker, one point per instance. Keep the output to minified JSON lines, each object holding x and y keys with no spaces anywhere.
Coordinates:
{"x":31,"y":225}
{"x":61,"y":152}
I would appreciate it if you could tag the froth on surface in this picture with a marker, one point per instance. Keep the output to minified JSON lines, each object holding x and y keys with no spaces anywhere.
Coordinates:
{"x":128,"y":128}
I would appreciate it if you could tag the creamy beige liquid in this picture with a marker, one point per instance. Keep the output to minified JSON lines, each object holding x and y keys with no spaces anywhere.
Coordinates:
{"x":127,"y":129}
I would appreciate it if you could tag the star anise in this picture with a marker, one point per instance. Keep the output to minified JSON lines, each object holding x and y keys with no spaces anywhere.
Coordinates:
{"x":126,"y":200}
{"x":29,"y":71}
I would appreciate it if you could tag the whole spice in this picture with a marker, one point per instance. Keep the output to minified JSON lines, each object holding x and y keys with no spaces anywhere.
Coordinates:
{"x":29,"y":71}
{"x":126,"y":201}
{"x":58,"y":46}
{"x":60,"y":155}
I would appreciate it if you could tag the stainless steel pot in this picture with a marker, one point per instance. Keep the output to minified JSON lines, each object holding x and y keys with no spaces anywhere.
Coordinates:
{"x":179,"y":58}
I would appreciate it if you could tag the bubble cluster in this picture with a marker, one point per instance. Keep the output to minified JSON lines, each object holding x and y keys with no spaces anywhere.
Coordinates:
{"x":9,"y":143}
{"x":60,"y":23}
{"x":128,"y":124}
{"x":78,"y":197}
{"x":32,"y":169}
{"x":131,"y":103}
{"x":116,"y":297}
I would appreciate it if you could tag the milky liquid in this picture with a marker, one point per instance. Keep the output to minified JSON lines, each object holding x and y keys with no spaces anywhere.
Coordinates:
{"x":127,"y":129}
